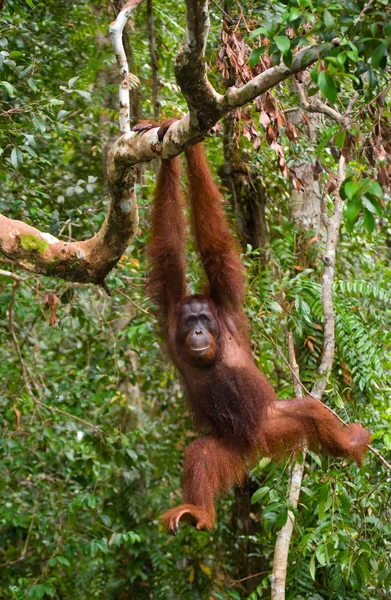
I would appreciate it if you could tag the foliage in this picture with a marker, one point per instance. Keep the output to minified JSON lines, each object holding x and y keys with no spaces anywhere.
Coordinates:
{"x":92,"y":420}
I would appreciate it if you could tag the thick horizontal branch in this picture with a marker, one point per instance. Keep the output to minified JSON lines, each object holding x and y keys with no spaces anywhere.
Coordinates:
{"x":86,"y":261}
{"x":90,"y":260}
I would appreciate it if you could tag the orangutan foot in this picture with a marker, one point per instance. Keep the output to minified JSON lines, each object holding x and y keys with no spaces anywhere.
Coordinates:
{"x":360,"y":438}
{"x":199,"y":517}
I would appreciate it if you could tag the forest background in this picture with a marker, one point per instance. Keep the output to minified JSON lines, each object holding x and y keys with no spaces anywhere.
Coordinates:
{"x":93,"y":425}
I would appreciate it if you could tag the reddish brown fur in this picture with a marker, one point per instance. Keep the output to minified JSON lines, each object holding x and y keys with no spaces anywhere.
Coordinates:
{"x":229,"y":397}
{"x":167,"y":231}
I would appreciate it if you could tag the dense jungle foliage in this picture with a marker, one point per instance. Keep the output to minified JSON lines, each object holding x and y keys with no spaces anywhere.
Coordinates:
{"x":92,"y":420}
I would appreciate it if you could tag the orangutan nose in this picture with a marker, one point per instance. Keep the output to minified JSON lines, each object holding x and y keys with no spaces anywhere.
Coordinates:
{"x":198,"y":332}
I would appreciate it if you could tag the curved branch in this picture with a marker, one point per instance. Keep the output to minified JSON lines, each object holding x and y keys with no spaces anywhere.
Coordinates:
{"x":91,"y":260}
{"x":86,"y":261}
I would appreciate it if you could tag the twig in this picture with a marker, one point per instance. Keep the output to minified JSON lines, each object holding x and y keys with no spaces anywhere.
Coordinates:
{"x":242,"y":17}
{"x":144,"y":310}
{"x":235,"y":581}
{"x":366,"y":6}
{"x":25,"y":371}
{"x":221,"y":9}
{"x":296,"y":379}
{"x":12,"y":275}
{"x":316,"y":106}
{"x":380,"y":457}
{"x":154,"y":59}
{"x":67,"y":414}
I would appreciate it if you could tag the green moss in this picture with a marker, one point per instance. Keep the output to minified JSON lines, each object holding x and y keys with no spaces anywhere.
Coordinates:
{"x":31,"y":242}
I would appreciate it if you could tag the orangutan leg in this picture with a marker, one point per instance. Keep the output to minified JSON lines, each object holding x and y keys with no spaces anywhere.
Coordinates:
{"x":212,"y":466}
{"x":293,"y":423}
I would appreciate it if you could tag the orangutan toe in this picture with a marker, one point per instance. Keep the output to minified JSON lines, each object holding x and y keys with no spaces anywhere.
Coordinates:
{"x":197,"y":516}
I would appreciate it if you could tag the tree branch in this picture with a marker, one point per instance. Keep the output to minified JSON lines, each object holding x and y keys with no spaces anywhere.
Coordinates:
{"x":316,"y":106}
{"x":127,"y":79}
{"x":332,"y":228}
{"x":91,"y":260}
{"x":280,"y":561}
{"x":281,"y":550}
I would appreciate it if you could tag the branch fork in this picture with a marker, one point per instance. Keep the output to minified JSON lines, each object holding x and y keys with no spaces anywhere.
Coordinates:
{"x":91,"y":260}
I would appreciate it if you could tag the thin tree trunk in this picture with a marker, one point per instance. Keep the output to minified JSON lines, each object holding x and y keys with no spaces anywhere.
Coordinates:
{"x":154,"y":59}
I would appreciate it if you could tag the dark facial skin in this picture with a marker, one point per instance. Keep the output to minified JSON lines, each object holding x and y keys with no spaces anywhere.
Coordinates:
{"x":198,"y":330}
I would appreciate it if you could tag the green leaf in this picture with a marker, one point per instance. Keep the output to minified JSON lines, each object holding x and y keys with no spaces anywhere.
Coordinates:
{"x":16,"y":592}
{"x":84,"y":94}
{"x":375,"y":189}
{"x":378,"y":54}
{"x":283,"y":43}
{"x":339,"y":139}
{"x":258,"y":31}
{"x":372,"y":78}
{"x":314,"y":74}
{"x":349,"y":189}
{"x":255,"y":54}
{"x":10,"y":88}
{"x":352,"y":55}
{"x":321,"y":554}
{"x":72,"y":81}
{"x":294,"y":14}
{"x":30,"y":3}
{"x":287,"y":58}
{"x":369,"y":221}
{"x":282,"y":517}
{"x":16,"y":157}
{"x":371,"y":204}
{"x":341,"y":58}
{"x":327,"y":86}
{"x":31,"y":83}
{"x":329,"y":20}
{"x":259,"y":494}
{"x":352,"y":210}
{"x":312,"y":567}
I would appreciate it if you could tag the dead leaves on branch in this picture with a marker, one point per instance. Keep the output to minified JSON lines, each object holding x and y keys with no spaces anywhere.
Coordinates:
{"x":237,"y":69}
{"x":52,"y":302}
{"x":232,"y":62}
